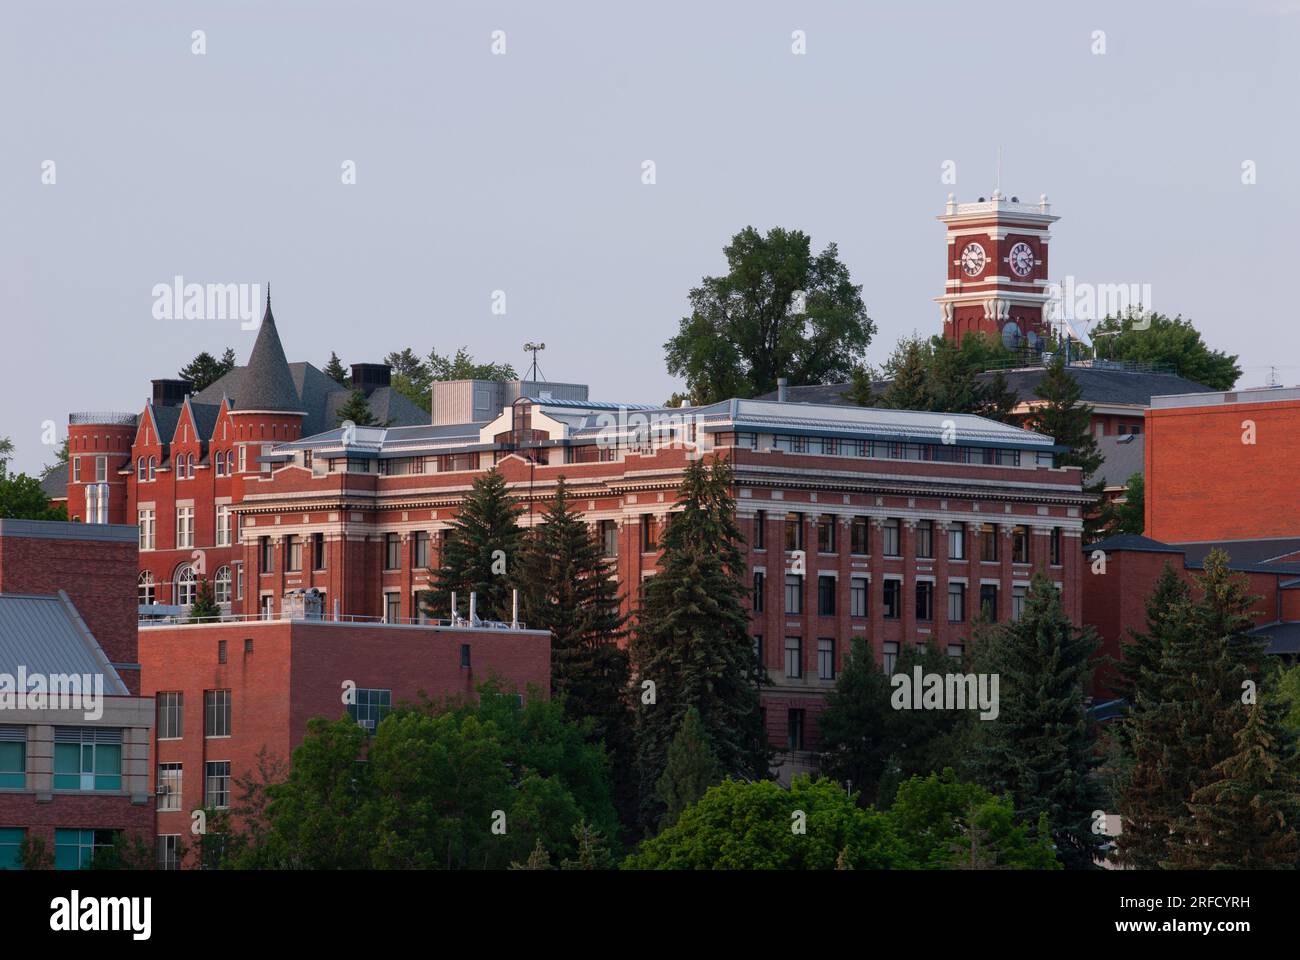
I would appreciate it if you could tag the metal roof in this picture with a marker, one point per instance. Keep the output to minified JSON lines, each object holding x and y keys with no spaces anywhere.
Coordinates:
{"x":43,"y":634}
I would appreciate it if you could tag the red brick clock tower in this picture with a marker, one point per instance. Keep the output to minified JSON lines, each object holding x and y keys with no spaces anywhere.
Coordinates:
{"x":997,"y":270}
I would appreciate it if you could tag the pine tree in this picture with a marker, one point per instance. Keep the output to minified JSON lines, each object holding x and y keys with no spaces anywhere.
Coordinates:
{"x":1041,"y":749}
{"x":996,"y":399}
{"x":335,"y":370}
{"x":592,"y":852}
{"x":691,"y":769}
{"x":357,"y":411}
{"x":204,"y":606}
{"x":856,"y":744}
{"x":1246,"y":819}
{"x":692,"y":639}
{"x":205,"y":369}
{"x":569,"y":588}
{"x":1142,"y":653}
{"x":481,"y":550}
{"x":910,"y":387}
{"x":1068,"y":421}
{"x":539,"y":859}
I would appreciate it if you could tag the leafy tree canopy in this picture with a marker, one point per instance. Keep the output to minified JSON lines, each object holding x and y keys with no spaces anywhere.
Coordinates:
{"x":1172,"y":341}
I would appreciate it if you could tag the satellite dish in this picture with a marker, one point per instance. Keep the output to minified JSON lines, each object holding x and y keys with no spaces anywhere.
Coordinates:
{"x":1011,"y":335}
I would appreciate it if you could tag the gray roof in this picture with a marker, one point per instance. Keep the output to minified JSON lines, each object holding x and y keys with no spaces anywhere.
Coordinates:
{"x":1123,"y":456}
{"x":1284,"y":638}
{"x":205,"y":418}
{"x":45,"y":635}
{"x":267,"y":383}
{"x":1096,"y":385}
{"x":1253,"y":552}
{"x":1132,"y":541}
{"x":54,"y":481}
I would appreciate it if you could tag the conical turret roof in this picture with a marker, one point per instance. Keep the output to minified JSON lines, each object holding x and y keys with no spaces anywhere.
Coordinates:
{"x":267,"y":383}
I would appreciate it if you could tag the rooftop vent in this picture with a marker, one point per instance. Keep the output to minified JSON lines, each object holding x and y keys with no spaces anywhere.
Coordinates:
{"x":368,"y":377}
{"x":171,"y":393}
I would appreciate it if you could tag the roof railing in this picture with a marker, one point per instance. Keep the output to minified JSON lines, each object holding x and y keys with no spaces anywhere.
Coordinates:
{"x":460,"y":623}
{"x":98,"y":418}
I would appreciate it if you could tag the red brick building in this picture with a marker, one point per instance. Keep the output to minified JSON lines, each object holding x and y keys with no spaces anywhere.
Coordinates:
{"x":226,"y":692}
{"x":74,"y":762}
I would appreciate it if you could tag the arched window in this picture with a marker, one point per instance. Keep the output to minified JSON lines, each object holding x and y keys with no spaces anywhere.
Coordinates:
{"x":153,"y":465}
{"x":145,"y":588}
{"x":140,"y":470}
{"x":230,"y":463}
{"x":189,"y":466}
{"x":184,"y":585}
{"x":221,"y":464}
{"x":221,"y":585}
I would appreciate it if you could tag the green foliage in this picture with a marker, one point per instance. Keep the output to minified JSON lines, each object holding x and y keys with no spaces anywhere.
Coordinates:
{"x":34,"y":853}
{"x":482,"y":549}
{"x":1062,"y":416}
{"x":939,"y":376}
{"x":690,"y":771}
{"x":128,"y":852}
{"x":1041,"y":750}
{"x":742,"y":335}
{"x":22,"y":498}
{"x":357,"y":410}
{"x":205,"y":369}
{"x":692,"y":638}
{"x":592,"y":852}
{"x":461,"y":366}
{"x":204,"y":606}
{"x":1284,"y":692}
{"x":569,"y":588}
{"x":1166,"y":341}
{"x":751,"y":826}
{"x":1128,"y":516}
{"x":336,"y":371}
{"x":539,"y":859}
{"x":410,"y":376}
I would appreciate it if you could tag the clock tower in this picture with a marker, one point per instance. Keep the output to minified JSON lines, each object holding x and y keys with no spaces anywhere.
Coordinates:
{"x":997,"y":270}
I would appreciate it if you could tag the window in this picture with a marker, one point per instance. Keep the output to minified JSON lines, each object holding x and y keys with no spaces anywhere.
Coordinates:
{"x":758,"y":591}
{"x":146,"y":593}
{"x":924,"y":600}
{"x":292,"y":552}
{"x":464,"y":656}
{"x":169,"y":787}
{"x":392,"y":552}
{"x":794,"y":531}
{"x":11,"y":842}
{"x":957,"y":541}
{"x":795,"y":724}
{"x":1019,"y":544}
{"x":793,"y":593}
{"x":239,"y":580}
{"x":221,"y":585}
{"x":216,"y":784}
{"x":75,"y":849}
{"x":760,"y":530}
{"x":826,"y":596}
{"x":221,"y":651}
{"x":956,"y":602}
{"x":13,"y":758}
{"x":223,"y":524}
{"x":318,"y":550}
{"x":141,"y":470}
{"x":859,"y":539}
{"x":794,"y":657}
{"x":220,"y":459}
{"x":184,"y":527}
{"x":216,"y":713}
{"x":1055,"y":546}
{"x":758,"y":652}
{"x":421,"y":549}
{"x":230,"y":463}
{"x":988,"y":543}
{"x":266,"y":606}
{"x":891,"y":657}
{"x":243,"y":459}
{"x":825,"y":533}
{"x":87,"y":758}
{"x":184,"y":585}
{"x":925,"y":538}
{"x":609,"y":538}
{"x":101,"y":469}
{"x":889,"y":530}
{"x":858,"y":597}
{"x":893,"y":599}
{"x":649,"y":533}
{"x":169,"y":851}
{"x":989,"y":601}
{"x":1018,"y":601}
{"x":76,"y":469}
{"x":826,"y":658}
{"x":392,"y":608}
{"x":171,"y":723}
{"x":373,"y":704}
{"x":153,"y":466}
{"x":265,"y":556}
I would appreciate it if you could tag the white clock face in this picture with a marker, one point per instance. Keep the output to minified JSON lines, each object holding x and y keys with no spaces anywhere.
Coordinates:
{"x":972,"y":259}
{"x":1021,"y":259}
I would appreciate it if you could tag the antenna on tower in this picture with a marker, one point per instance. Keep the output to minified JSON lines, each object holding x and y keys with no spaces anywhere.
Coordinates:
{"x":997,"y":189}
{"x":1272,"y":379}
{"x":534,"y":371}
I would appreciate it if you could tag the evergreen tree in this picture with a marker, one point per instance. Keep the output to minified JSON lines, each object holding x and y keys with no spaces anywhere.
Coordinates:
{"x":357,"y":410}
{"x":481,"y":550}
{"x":856,"y":743}
{"x":910,"y":387}
{"x":205,"y":602}
{"x":592,"y":852}
{"x":690,"y":771}
{"x":539,"y":859}
{"x":1246,"y":818}
{"x":1142,"y":653}
{"x":996,"y":399}
{"x":1041,"y":748}
{"x":335,"y":370}
{"x":1063,"y":417}
{"x":567,"y":587}
{"x":205,"y":369}
{"x":692,"y":639}
{"x":1127,"y":515}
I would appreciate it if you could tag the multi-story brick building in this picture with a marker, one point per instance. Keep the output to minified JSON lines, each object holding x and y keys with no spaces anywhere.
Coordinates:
{"x":74,"y":732}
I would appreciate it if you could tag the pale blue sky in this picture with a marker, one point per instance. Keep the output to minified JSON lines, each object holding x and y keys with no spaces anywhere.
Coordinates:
{"x":522,"y":172}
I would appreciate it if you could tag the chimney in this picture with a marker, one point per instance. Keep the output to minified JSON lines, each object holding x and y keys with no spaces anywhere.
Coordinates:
{"x":366,"y":377}
{"x":171,"y":393}
{"x":473,"y":609}
{"x":781,"y":384}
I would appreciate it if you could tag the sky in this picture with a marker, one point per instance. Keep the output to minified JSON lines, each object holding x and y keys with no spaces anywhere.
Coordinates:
{"x":496,"y":153}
